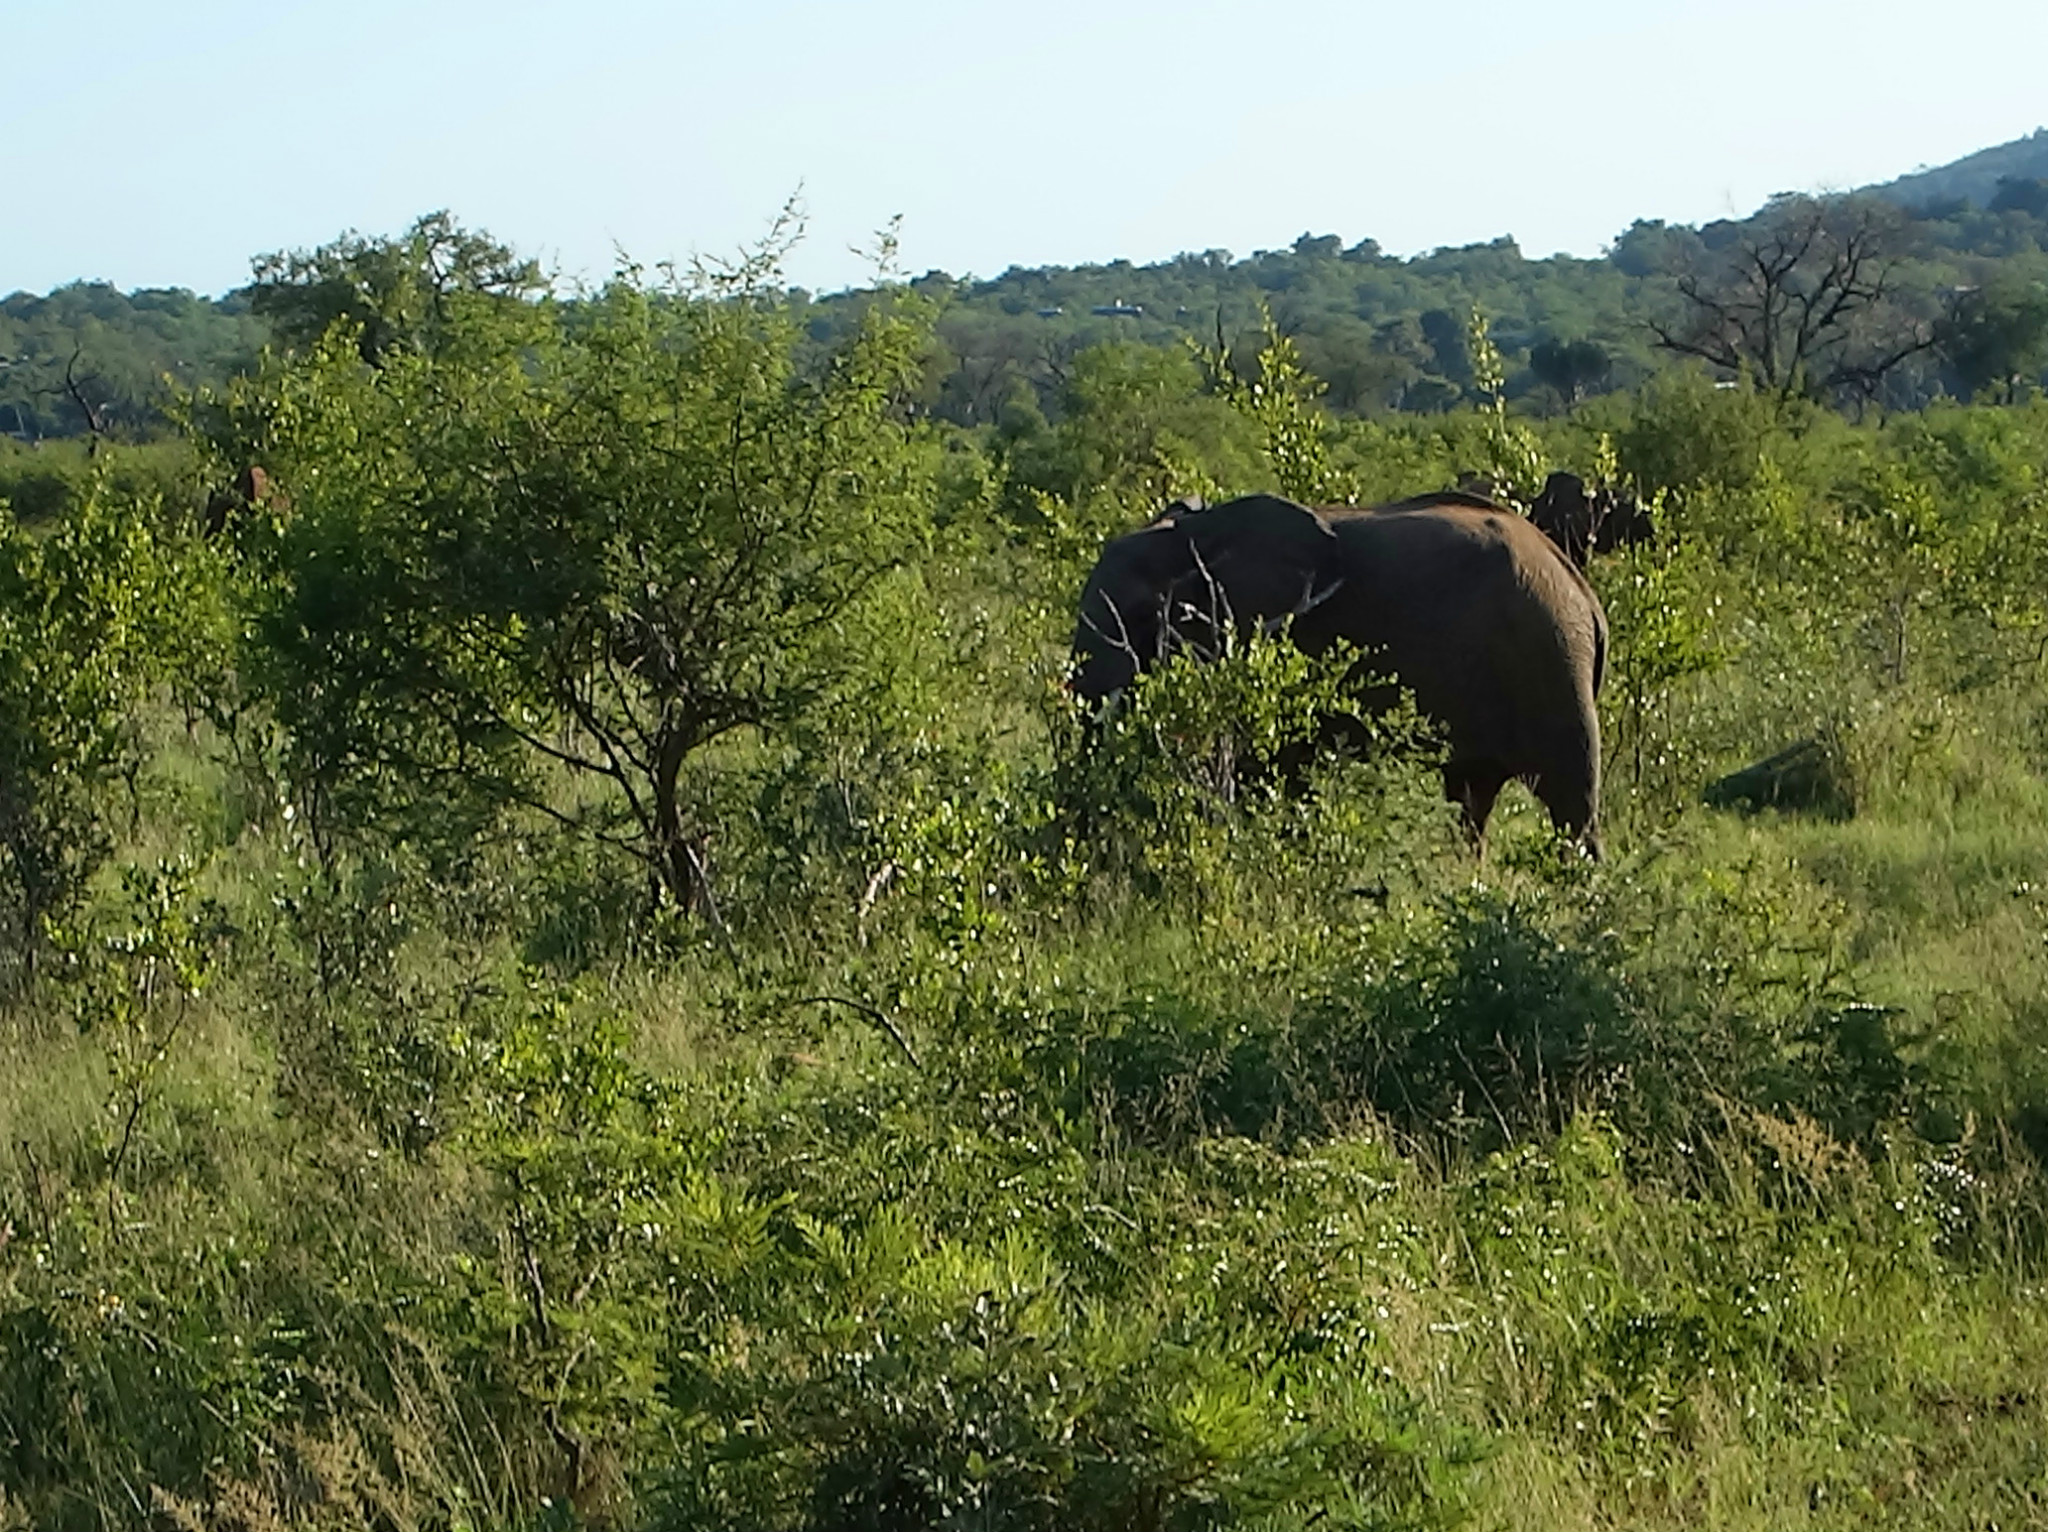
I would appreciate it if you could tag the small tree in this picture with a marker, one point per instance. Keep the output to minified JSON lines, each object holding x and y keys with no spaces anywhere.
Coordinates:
{"x":1280,"y":399}
{"x":577,"y":544}
{"x":1903,"y":546}
{"x":94,"y":615}
{"x":1134,"y":431}
{"x":1662,"y":617}
{"x":395,"y":293}
{"x":1515,"y":458}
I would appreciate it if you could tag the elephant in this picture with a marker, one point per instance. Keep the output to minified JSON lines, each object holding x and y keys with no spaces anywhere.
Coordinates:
{"x":1583,"y":522}
{"x":1498,"y":636}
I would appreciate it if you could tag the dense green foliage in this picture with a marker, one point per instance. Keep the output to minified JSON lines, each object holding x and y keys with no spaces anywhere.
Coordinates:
{"x":1000,"y":1117}
{"x":95,"y":616}
{"x":403,"y":296}
{"x":635,"y":528}
{"x":88,"y":353}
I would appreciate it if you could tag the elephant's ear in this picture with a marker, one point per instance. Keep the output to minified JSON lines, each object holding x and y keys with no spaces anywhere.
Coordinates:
{"x":1266,"y":557}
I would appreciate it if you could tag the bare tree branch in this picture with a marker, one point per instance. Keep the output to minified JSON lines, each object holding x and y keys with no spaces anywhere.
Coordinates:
{"x":1805,"y":301}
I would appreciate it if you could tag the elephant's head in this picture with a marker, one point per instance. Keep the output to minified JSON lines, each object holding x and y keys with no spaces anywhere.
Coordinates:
{"x":1178,"y":583}
{"x":1583,"y":522}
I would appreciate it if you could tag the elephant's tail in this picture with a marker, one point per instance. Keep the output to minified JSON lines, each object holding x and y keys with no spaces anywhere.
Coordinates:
{"x":1599,"y":647}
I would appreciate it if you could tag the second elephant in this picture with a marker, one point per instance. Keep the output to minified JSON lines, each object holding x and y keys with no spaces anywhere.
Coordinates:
{"x":1499,"y":637}
{"x":1586,"y":520}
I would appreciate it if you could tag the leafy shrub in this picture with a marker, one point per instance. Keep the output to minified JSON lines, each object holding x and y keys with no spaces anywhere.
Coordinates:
{"x":1488,"y":1027}
{"x":931,"y":1387}
{"x":1162,"y":1067}
{"x":1201,"y":766}
{"x":605,"y":612}
{"x":94,"y":615}
{"x":1684,"y":433}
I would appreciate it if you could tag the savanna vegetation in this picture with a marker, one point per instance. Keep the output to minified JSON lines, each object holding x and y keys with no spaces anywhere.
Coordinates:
{"x":570,"y":963}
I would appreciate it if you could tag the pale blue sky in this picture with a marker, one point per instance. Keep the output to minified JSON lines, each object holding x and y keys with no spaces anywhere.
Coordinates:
{"x":162,"y":144}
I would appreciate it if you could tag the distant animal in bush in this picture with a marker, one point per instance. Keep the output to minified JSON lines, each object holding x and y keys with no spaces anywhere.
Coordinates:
{"x":1585,"y":521}
{"x":251,"y":487}
{"x":1581,"y":521}
{"x":1498,"y":636}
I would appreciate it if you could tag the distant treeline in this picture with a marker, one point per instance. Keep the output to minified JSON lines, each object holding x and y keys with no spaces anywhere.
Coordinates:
{"x":1916,"y":300}
{"x":89,"y":357}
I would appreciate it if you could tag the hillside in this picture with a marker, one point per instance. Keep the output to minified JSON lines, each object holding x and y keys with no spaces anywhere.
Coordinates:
{"x":87,"y":350}
{"x":1974,"y":178}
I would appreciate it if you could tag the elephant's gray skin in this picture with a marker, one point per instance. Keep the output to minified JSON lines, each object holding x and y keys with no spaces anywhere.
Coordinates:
{"x":1498,"y":636}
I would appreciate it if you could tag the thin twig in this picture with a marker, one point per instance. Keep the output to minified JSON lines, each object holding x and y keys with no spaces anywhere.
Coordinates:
{"x":878,"y":885}
{"x":536,"y":1289}
{"x":35,"y":1174}
{"x":879,"y":1018}
{"x":702,"y":874}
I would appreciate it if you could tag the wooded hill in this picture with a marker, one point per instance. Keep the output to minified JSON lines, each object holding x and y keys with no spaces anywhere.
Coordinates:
{"x":1952,"y":251}
{"x":1973,"y":180}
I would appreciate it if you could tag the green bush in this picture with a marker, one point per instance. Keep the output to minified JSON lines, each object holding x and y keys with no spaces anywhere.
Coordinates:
{"x":95,"y":615}
{"x":1208,"y":767}
{"x":1489,"y":1028}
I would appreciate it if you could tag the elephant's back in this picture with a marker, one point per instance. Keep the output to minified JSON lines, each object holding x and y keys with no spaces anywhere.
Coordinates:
{"x":1448,"y":556}
{"x":1467,"y":533}
{"x":1479,"y":614}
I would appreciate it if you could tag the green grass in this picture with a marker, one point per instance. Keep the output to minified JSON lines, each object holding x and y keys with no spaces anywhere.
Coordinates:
{"x":1150,"y":1129}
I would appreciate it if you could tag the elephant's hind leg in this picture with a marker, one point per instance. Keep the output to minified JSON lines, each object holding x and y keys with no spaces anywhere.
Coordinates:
{"x":1572,"y":798}
{"x":1473,"y":786}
